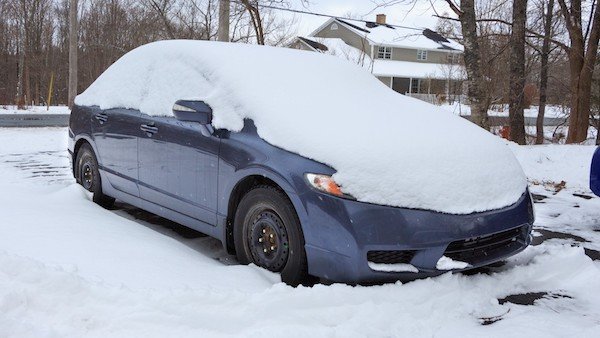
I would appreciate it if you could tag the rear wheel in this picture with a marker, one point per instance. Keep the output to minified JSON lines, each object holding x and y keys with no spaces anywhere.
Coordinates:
{"x":267,"y":233}
{"x":87,"y":174}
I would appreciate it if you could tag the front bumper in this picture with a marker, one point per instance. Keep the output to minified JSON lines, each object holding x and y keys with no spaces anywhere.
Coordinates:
{"x":342,"y":236}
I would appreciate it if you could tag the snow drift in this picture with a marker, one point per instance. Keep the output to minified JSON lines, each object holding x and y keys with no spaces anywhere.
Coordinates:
{"x":329,"y":110}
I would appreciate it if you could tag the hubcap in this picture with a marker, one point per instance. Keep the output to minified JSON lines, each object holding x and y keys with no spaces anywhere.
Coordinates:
{"x":268,"y":241}
{"x":87,"y":176}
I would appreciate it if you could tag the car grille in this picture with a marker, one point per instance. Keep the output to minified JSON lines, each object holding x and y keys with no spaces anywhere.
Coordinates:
{"x":391,"y":257}
{"x":480,"y":248}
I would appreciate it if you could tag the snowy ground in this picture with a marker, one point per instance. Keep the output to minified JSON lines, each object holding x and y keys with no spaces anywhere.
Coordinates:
{"x":69,"y":268}
{"x":34,"y":110}
{"x":552,"y":111}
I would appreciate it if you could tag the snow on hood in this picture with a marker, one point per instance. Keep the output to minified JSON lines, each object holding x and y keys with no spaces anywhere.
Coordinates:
{"x":387,"y":148}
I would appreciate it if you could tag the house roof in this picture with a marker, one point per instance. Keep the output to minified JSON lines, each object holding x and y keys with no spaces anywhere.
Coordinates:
{"x":402,"y":37}
{"x":313,"y":44}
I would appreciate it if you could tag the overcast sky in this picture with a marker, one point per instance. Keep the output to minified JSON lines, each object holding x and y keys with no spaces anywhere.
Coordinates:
{"x":419,"y":15}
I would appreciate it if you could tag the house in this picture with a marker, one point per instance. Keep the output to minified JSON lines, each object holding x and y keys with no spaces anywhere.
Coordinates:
{"x":415,"y":62}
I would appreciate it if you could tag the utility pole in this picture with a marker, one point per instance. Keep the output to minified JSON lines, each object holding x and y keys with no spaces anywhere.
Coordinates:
{"x":73,"y":45}
{"x":223,"y":31}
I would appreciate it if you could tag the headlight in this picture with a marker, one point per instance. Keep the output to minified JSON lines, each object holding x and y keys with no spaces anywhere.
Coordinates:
{"x":326,"y":184}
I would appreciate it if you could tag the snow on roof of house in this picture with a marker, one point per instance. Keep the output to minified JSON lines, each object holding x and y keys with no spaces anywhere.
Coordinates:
{"x":388,"y":35}
{"x":379,"y":142}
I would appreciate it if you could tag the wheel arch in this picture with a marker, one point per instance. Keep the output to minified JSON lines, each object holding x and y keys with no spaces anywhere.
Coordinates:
{"x":80,"y":142}
{"x":245,"y":185}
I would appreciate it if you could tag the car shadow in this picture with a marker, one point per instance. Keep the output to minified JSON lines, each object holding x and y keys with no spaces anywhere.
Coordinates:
{"x":193,"y":239}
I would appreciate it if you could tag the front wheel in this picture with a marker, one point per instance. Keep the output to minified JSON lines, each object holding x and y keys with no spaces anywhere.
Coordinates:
{"x":267,"y":233}
{"x":87,"y":174}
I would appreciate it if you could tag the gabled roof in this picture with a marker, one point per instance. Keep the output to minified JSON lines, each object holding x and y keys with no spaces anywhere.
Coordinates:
{"x":394,"y":36}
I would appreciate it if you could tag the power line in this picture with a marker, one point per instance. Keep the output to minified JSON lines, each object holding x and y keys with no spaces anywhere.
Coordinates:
{"x":327,"y":15}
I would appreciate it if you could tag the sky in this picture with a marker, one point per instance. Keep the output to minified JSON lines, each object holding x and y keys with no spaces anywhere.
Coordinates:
{"x":415,"y":14}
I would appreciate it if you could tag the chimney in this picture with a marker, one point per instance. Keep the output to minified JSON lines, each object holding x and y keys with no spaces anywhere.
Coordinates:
{"x":380,"y":19}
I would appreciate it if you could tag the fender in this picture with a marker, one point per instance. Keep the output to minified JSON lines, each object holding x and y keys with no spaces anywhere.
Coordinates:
{"x":88,"y":138}
{"x":231,"y":182}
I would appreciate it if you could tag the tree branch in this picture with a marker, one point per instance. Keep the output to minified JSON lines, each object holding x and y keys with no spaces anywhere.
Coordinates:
{"x":454,"y":7}
{"x":535,"y":34}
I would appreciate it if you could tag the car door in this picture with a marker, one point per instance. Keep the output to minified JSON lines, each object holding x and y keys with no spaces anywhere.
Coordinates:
{"x":115,"y":133}
{"x":178,"y":166}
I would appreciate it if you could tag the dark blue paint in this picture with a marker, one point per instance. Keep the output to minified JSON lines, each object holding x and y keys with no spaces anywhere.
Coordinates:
{"x":186,"y":172}
{"x":595,"y":173}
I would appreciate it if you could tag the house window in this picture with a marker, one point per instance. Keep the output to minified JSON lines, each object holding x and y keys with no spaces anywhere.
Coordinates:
{"x":384,"y":52}
{"x":421,"y":54}
{"x":334,"y":27}
{"x":415,"y":85}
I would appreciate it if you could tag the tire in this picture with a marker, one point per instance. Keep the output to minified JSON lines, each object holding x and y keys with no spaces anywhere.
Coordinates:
{"x":88,"y":176}
{"x":267,"y":233}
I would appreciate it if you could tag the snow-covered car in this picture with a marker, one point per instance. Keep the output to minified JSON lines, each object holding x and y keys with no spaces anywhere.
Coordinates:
{"x":298,"y":162}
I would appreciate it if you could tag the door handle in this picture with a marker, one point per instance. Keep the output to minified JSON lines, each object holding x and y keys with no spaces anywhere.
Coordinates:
{"x":101,"y":117}
{"x":149,"y":129}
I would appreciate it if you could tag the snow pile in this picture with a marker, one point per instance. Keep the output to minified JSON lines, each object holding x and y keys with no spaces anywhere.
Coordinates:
{"x":397,"y":267}
{"x":329,"y":110}
{"x":553,"y":164}
{"x":447,"y":263}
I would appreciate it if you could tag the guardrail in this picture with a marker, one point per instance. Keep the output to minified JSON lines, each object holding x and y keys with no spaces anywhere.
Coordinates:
{"x":34,"y":120}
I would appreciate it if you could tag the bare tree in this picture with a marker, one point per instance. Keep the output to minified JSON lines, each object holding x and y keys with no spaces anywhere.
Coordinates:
{"x":582,"y":58}
{"x":545,"y":54}
{"x":472,"y":57}
{"x":517,"y":72}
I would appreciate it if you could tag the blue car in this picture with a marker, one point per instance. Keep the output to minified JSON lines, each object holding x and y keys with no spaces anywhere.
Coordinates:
{"x":270,"y":206}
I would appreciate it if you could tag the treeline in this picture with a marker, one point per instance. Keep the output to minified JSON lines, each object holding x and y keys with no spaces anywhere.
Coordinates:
{"x":518,"y":51}
{"x":34,"y":38}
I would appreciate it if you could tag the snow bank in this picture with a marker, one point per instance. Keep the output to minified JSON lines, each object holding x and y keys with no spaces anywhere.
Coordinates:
{"x":556,"y":163}
{"x":329,"y":110}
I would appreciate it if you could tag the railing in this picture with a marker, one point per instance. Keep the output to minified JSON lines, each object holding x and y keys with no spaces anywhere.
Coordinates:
{"x":34,"y":120}
{"x":431,"y":98}
{"x":438,"y":99}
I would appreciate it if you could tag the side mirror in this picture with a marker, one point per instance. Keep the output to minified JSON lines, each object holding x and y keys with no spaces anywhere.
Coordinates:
{"x":192,"y":111}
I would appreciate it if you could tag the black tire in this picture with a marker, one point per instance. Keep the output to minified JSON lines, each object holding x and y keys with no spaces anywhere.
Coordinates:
{"x":267,"y":233}
{"x":87,"y":174}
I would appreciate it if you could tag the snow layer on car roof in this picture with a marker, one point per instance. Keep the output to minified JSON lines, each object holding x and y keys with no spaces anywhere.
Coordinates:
{"x":387,"y":148}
